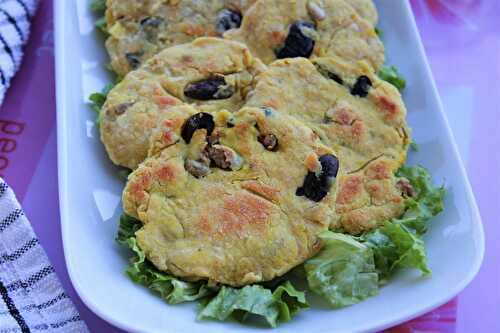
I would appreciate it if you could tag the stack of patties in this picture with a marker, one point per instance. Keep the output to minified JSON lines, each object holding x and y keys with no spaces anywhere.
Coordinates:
{"x":245,"y":149}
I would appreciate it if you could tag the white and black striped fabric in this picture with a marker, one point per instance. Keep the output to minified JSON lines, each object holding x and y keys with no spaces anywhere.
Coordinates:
{"x":15,"y":18}
{"x":31,"y":296}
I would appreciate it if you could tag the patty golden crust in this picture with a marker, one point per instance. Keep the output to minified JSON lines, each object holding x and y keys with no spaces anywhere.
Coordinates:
{"x":369,"y":197}
{"x":277,"y":29}
{"x":366,"y":9}
{"x":357,"y":115}
{"x":212,"y":73}
{"x":233,"y":198}
{"x":140,"y":29}
{"x":354,"y":112}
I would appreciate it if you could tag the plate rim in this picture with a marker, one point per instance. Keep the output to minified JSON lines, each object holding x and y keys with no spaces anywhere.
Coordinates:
{"x":62,"y":162}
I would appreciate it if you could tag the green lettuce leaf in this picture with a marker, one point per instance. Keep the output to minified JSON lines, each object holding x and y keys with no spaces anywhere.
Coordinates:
{"x":426,"y":203}
{"x":289,"y":300}
{"x":398,"y":244}
{"x":102,"y":25}
{"x":346,"y":271}
{"x":98,"y":99}
{"x":99,"y":8}
{"x":124,"y":173}
{"x":274,"y":307}
{"x":141,"y":271}
{"x":127,"y":228}
{"x":171,"y":289}
{"x":395,"y":246}
{"x":343,"y":272}
{"x":391,"y":75}
{"x":414,"y":146}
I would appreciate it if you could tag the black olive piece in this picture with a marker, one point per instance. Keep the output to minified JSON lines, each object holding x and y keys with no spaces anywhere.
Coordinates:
{"x":123,"y":107}
{"x":316,"y":187}
{"x":297,"y":44}
{"x":269,"y":141}
{"x":227,"y":19}
{"x":230,"y":123}
{"x":150,"y":26}
{"x":329,"y":75}
{"x":329,"y":166}
{"x":361,"y":87}
{"x":335,"y":78}
{"x":212,"y":88}
{"x":151,"y":21}
{"x":196,"y":122}
{"x":133,"y":59}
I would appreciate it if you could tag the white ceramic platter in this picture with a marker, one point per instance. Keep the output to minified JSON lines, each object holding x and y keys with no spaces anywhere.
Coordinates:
{"x":90,"y":190}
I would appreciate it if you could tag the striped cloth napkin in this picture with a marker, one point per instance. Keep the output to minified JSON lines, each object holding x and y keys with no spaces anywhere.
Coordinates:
{"x":31,"y":296}
{"x":15,"y":17}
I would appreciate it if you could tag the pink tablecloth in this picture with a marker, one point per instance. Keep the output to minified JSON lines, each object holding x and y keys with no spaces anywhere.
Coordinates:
{"x":462,"y":39}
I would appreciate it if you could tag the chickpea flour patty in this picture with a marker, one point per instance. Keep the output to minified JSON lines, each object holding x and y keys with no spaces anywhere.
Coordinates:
{"x":356,"y":114}
{"x":140,"y":29}
{"x":235,"y":198}
{"x":277,"y":29}
{"x":211,"y":73}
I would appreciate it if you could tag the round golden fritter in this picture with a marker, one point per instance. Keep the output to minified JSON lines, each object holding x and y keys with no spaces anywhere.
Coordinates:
{"x":356,"y":114}
{"x":240,"y":203}
{"x":277,"y":29}
{"x":211,"y":73}
{"x":140,"y":29}
{"x":352,"y":110}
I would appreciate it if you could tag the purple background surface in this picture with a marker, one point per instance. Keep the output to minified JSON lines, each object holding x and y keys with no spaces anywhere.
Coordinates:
{"x":462,"y":40}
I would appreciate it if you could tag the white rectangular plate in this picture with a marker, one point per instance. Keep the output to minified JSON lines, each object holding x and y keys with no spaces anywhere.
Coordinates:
{"x":90,"y":191}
